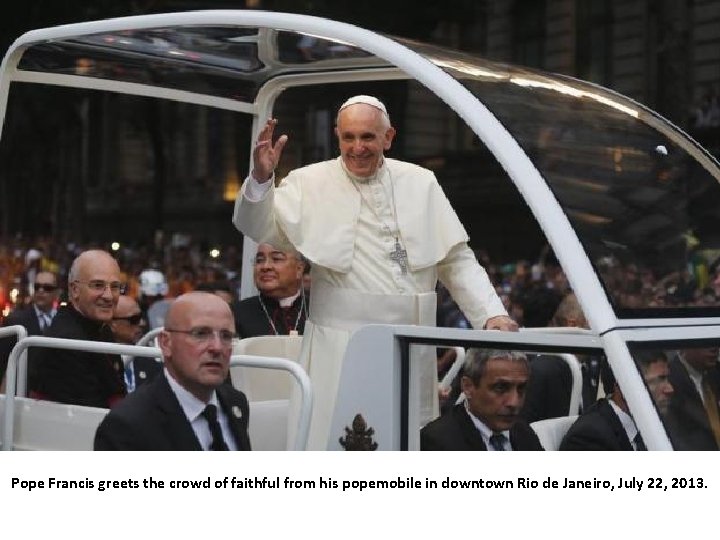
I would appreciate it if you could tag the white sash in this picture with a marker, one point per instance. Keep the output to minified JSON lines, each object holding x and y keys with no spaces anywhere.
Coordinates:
{"x":347,"y":309}
{"x":334,"y":315}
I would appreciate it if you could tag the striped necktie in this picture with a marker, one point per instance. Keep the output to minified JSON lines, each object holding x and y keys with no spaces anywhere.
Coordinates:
{"x":44,"y":320}
{"x":497,"y":441}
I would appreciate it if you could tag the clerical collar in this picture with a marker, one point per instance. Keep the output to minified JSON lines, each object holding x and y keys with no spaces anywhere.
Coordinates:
{"x":363,"y":179}
{"x":284,"y":302}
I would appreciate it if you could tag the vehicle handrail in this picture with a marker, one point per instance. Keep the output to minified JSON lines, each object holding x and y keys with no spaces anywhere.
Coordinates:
{"x":17,"y":329}
{"x":149,"y":336}
{"x":457,"y":365}
{"x":302,"y":379}
{"x":11,"y":374}
{"x":558,"y":330}
{"x":117,"y":348}
{"x":21,"y":332}
{"x":576,"y":373}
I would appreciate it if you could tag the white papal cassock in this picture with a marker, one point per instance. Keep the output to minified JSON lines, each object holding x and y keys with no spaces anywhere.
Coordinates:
{"x":347,"y":227}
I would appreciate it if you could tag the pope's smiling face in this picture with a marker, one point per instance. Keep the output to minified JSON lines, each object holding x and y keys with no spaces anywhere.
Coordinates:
{"x":363,"y":133}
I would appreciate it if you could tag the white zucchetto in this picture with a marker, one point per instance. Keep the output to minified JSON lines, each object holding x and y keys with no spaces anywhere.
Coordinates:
{"x":367,"y":100}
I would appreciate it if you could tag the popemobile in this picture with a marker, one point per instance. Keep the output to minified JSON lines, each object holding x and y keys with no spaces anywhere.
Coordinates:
{"x":627,"y":203}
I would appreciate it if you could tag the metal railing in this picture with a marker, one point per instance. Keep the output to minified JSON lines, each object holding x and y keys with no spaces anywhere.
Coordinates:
{"x":302,"y":379}
{"x":15,"y":330}
{"x":134,"y":350}
{"x":147,"y":338}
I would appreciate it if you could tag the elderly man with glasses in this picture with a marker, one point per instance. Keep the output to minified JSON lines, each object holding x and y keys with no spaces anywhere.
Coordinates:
{"x":36,"y":317}
{"x":77,"y":377}
{"x":188,"y":406}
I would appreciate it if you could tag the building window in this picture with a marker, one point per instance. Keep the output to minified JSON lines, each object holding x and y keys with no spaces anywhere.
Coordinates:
{"x":593,"y":42}
{"x":528,"y":23}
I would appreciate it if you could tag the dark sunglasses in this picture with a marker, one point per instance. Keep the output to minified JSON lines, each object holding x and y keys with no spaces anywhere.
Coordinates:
{"x":45,"y":287}
{"x":132,"y":319}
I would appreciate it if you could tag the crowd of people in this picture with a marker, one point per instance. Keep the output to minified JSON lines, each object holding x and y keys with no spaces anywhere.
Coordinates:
{"x":184,"y":262}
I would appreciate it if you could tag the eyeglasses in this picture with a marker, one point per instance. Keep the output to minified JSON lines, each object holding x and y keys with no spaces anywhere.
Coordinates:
{"x":45,"y":287}
{"x":99,"y":286}
{"x":132,"y":319}
{"x":203,"y":334}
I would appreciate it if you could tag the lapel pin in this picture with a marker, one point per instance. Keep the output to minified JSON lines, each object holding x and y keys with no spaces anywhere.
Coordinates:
{"x":142,"y":375}
{"x":237,"y":413}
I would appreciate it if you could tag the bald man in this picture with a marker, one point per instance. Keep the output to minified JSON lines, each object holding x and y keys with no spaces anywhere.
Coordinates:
{"x":379,"y":234}
{"x":76,"y":377}
{"x":187,"y":407}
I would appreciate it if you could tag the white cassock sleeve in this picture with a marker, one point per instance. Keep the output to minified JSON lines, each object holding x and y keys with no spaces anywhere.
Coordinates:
{"x":254,"y":213}
{"x":470,"y":286}
{"x":254,"y":190}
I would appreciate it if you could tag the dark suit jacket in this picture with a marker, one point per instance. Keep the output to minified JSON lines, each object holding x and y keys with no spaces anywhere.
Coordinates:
{"x":598,"y":428}
{"x":76,"y":377}
{"x":251,"y":321}
{"x":456,"y":431}
{"x":145,"y":369}
{"x":151,"y":418}
{"x":26,"y":317}
{"x":687,"y":421}
{"x":548,"y":390}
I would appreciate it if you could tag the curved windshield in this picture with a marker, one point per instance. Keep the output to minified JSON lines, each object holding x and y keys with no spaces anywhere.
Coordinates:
{"x":683,"y":380}
{"x":643,"y":199}
{"x":229,"y":61}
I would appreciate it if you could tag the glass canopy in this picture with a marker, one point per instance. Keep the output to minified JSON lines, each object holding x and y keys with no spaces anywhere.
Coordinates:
{"x":643,"y":199}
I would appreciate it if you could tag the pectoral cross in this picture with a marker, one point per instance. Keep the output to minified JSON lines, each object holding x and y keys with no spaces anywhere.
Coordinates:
{"x":399,"y":256}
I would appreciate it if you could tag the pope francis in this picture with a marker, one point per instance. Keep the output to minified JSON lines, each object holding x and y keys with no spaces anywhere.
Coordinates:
{"x":379,"y":233}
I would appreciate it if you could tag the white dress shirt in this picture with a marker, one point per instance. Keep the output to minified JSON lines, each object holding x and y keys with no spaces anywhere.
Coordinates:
{"x":486,"y":432}
{"x":627,"y":422}
{"x":193,"y":408}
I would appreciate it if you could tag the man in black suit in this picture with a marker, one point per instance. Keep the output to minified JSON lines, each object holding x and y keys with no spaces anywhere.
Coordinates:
{"x":35,"y":318}
{"x":281,"y":307}
{"x":494,"y":386}
{"x":78,"y":377}
{"x":607,"y":424}
{"x":695,"y":376}
{"x":550,"y":386}
{"x":187,"y":407}
{"x":127,"y":326}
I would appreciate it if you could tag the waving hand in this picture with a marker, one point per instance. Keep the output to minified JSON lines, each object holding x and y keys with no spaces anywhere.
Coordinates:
{"x":266,"y":155}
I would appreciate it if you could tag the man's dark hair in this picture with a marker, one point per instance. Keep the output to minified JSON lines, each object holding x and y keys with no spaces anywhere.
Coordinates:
{"x":476,"y":361}
{"x":643,"y":359}
{"x":539,"y":305}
